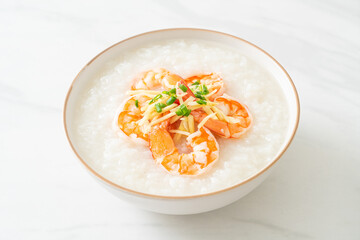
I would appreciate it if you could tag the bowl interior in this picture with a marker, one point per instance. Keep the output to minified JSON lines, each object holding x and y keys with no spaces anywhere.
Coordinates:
{"x":105,"y":59}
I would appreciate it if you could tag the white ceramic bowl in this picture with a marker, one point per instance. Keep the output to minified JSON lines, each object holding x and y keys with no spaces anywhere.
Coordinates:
{"x":202,"y":202}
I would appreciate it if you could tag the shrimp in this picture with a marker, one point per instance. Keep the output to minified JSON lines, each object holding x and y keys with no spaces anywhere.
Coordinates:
{"x":129,"y":118}
{"x":238,"y":115}
{"x":159,"y":78}
{"x":205,"y":151}
{"x":213,"y":82}
{"x":130,"y":115}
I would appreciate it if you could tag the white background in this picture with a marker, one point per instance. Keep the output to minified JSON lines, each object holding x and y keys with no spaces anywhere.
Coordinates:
{"x":45,"y":193}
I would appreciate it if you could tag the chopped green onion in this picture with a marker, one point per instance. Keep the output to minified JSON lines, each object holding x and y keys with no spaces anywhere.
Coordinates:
{"x":158,"y":96}
{"x":183,"y":111}
{"x":187,"y":113}
{"x":137,"y":103}
{"x":173,"y":91}
{"x":183,"y":87}
{"x":204,"y":90}
{"x":171,"y":100}
{"x":201,"y":102}
{"x":196,"y":82}
{"x":183,"y":107}
{"x":199,"y":95}
{"x":158,"y":107}
{"x":155,"y":98}
{"x":166,"y":92}
{"x":179,"y":112}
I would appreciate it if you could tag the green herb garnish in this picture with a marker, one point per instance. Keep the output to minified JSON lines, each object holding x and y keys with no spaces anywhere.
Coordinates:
{"x":201,"y":102}
{"x":179,"y":112}
{"x":187,"y":113}
{"x":173,"y":91}
{"x":137,"y":103}
{"x":166,"y":92}
{"x":199,"y":95}
{"x":183,"y":87}
{"x":196,"y":83}
{"x":171,"y":100}
{"x":155,"y":98}
{"x":159,"y":107}
{"x":204,"y":90}
{"x":183,"y":111}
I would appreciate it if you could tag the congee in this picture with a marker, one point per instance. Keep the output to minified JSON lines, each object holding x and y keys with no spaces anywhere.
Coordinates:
{"x":180,"y":117}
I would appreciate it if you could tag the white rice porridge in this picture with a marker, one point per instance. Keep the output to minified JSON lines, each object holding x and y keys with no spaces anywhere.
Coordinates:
{"x":131,"y":165}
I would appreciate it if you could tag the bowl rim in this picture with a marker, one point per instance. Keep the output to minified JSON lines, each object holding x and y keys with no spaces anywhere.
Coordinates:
{"x":134,"y":192}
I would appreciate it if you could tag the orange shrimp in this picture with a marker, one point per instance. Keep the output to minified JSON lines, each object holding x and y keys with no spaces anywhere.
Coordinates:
{"x":213,"y":81}
{"x":159,"y":78}
{"x":129,"y":117}
{"x":205,"y":151}
{"x":241,"y":118}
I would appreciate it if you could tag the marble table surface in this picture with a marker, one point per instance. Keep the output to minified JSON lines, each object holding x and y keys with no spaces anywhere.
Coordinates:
{"x":45,"y":193}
